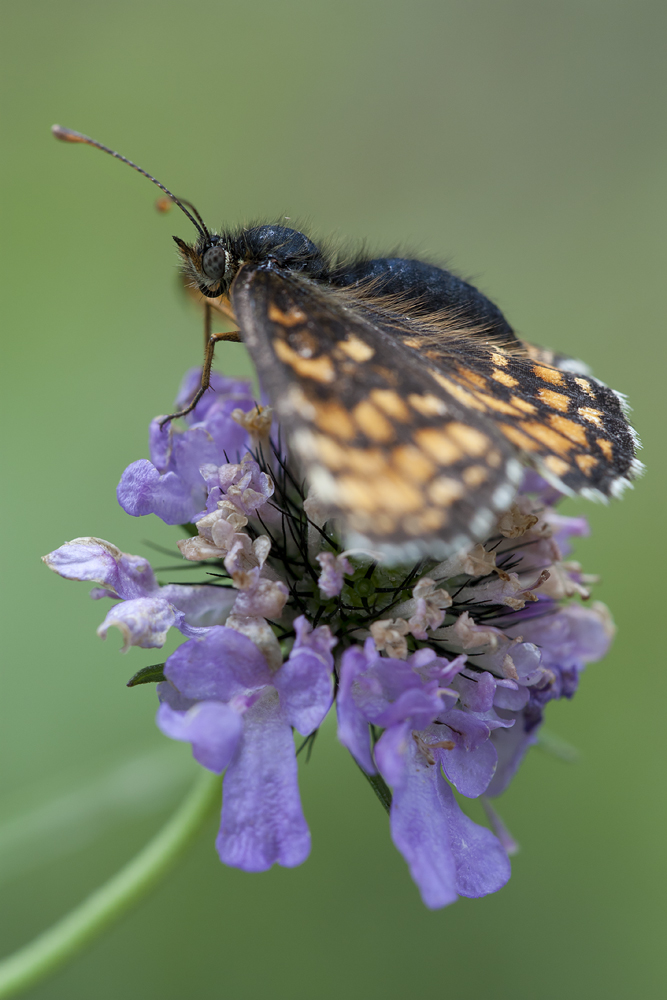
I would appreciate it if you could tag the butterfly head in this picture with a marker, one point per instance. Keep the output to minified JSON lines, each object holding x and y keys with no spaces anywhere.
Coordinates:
{"x":214,"y":260}
{"x":210,"y":263}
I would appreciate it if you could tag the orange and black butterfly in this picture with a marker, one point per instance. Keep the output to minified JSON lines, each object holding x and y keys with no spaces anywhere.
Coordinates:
{"x":407,"y":399}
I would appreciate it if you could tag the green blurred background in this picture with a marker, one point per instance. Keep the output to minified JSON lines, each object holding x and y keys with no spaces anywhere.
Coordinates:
{"x":522,"y":142}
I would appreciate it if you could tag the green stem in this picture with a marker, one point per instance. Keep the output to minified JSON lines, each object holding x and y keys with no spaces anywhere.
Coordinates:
{"x":379,"y":786}
{"x":68,"y":936}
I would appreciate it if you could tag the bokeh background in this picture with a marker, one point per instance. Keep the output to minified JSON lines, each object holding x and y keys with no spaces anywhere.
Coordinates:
{"x":521,"y":141}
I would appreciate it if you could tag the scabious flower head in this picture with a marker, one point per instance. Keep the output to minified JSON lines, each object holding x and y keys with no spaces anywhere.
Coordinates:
{"x":441,"y":671}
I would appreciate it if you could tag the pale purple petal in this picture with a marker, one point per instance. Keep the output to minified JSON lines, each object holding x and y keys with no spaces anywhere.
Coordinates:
{"x":511,"y":745}
{"x":470,"y":771}
{"x":391,"y":750}
{"x":305,"y":682}
{"x":317,"y":640}
{"x":419,"y":706}
{"x":143,"y":622}
{"x":464,"y":729}
{"x":212,"y":728}
{"x":223,"y":389}
{"x":571,"y":637}
{"x":264,"y":600}
{"x":333,"y":568}
{"x":527,"y":661}
{"x":142,"y":490}
{"x":262,"y":821}
{"x":97,"y":561}
{"x":159,"y":443}
{"x":512,"y":699}
{"x":219,"y":666}
{"x":352,"y":725}
{"x":201,"y":605}
{"x":476,"y":690}
{"x":419,"y":829}
{"x":482,"y":866}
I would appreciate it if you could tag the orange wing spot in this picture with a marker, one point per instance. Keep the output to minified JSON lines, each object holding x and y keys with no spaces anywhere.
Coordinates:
{"x":493,"y":403}
{"x":413,"y":341}
{"x":428,"y":405}
{"x":494,"y":458}
{"x":368,"y":461}
{"x":516,"y":437}
{"x":586,"y":462}
{"x":428,"y":520}
{"x":411,"y":462}
{"x":444,"y":491}
{"x":551,"y":375}
{"x":291,"y":318}
{"x":358,"y":492}
{"x":504,"y":378}
{"x":549,"y":438}
{"x":586,"y":386}
{"x":556,"y":465}
{"x":591,"y":415}
{"x":556,"y":400}
{"x":475,"y":475}
{"x":459,"y":393}
{"x":356,"y":348}
{"x":523,"y":404}
{"x":330,"y":452}
{"x":438,"y":445}
{"x":605,"y":447}
{"x":472,"y":377}
{"x":575,"y":432}
{"x":334,"y":419}
{"x":371,"y":422}
{"x":472,"y":441}
{"x":391,"y":403}
{"x":320,"y":369}
{"x":397,"y":496}
{"x":377,"y":523}
{"x":499,"y":359}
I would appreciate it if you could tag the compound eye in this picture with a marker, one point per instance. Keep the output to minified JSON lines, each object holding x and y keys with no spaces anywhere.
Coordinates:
{"x":214,"y":262}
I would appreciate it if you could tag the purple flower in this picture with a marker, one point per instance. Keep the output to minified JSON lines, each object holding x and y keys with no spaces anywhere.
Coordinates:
{"x":333,"y":569}
{"x":441,"y":679}
{"x":171,"y":484}
{"x":222,"y":697}
{"x":147,"y":611}
{"x":412,"y":701}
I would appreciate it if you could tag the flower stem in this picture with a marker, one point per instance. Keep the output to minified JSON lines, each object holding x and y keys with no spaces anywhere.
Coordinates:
{"x":68,"y":936}
{"x":379,"y":786}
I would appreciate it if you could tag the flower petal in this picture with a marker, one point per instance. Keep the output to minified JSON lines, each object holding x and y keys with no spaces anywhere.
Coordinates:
{"x":352,"y":725}
{"x":143,"y":622}
{"x":262,"y":821}
{"x":212,"y":728}
{"x":305,"y":686}
{"x":470,"y":771}
{"x":219,"y":666}
{"x":200,"y":605}
{"x":142,"y":490}
{"x":419,"y":829}
{"x":98,"y":561}
{"x":482,"y":866}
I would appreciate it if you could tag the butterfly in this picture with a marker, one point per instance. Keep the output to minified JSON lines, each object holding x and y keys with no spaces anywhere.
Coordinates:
{"x":407,"y":399}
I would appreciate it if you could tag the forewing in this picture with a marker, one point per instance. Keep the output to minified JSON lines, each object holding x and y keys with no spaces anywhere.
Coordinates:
{"x":560,"y":419}
{"x":405,"y":465}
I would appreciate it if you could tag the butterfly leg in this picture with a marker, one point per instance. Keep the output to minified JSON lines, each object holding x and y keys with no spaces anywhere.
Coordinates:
{"x":209,"y":348}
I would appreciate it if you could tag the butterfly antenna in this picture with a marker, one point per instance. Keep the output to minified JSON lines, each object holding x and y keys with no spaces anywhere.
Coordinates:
{"x":67,"y":135}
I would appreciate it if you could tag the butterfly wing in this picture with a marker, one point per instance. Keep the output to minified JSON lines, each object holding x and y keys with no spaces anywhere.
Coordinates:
{"x":404,"y":464}
{"x":561,"y":420}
